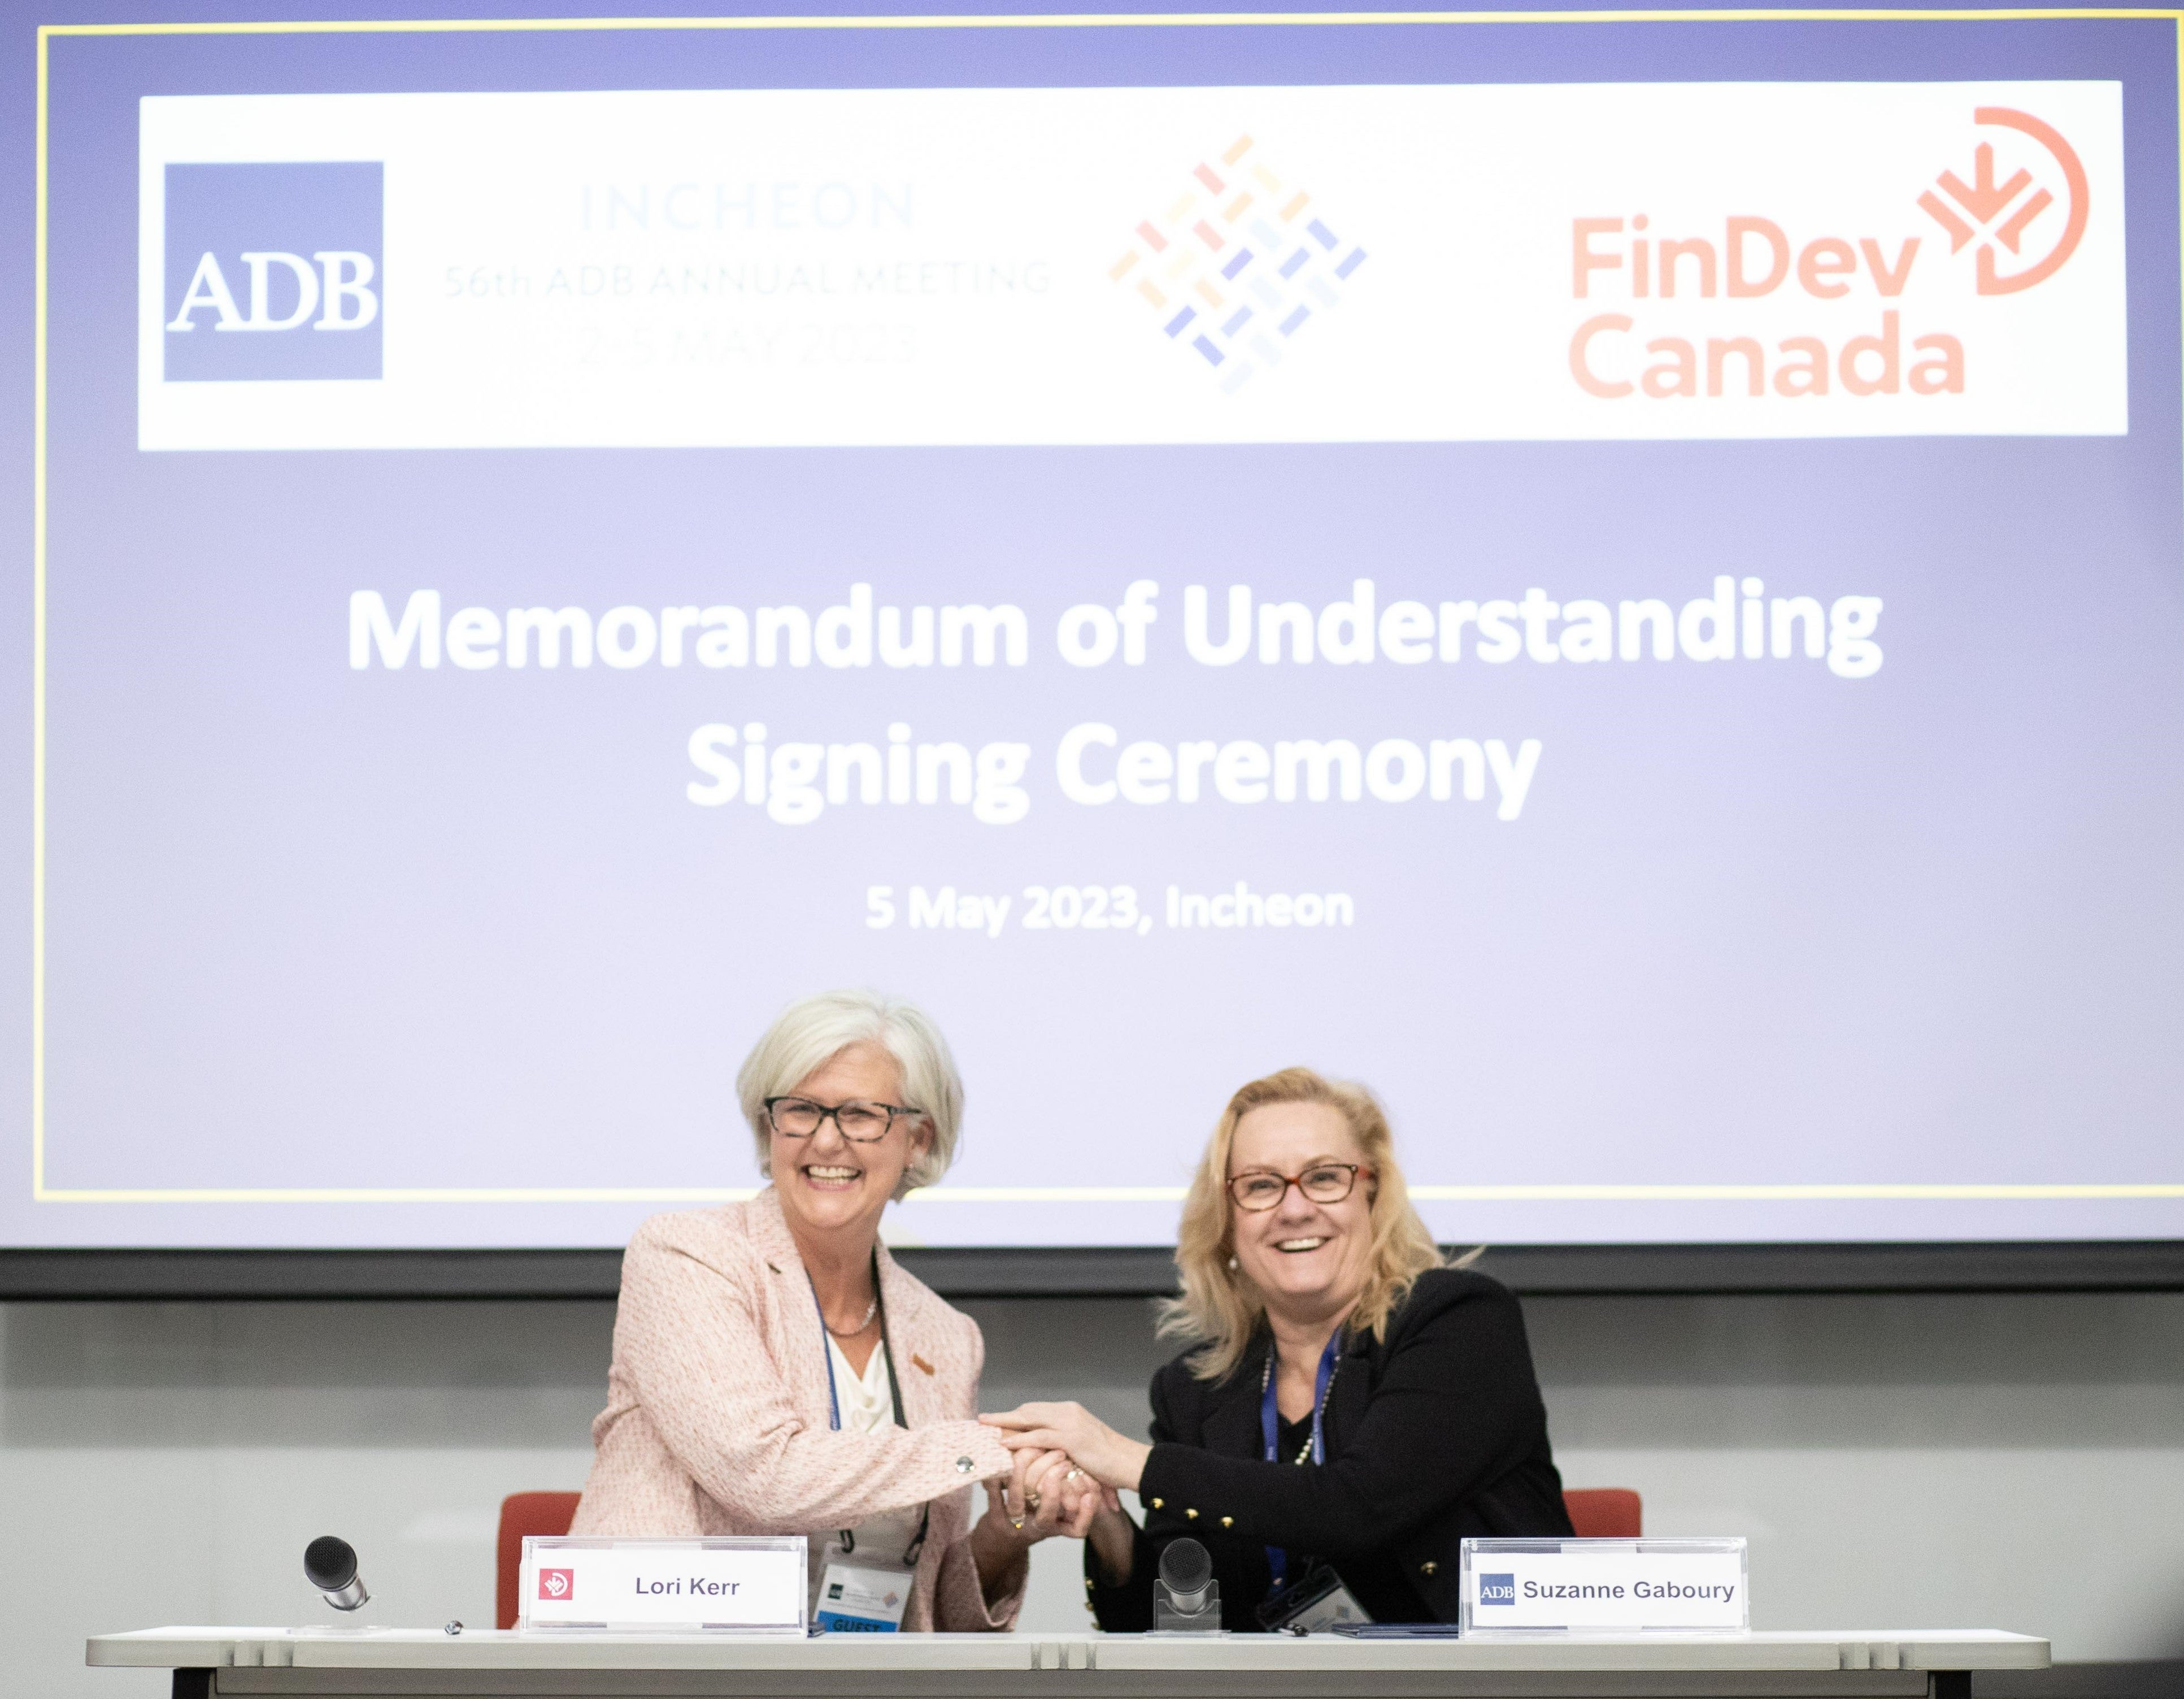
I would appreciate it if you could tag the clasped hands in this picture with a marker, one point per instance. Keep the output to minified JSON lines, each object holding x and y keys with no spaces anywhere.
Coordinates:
{"x":1069,"y":1466}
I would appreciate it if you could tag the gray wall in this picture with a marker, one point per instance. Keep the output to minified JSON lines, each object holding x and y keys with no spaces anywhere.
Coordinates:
{"x":1950,"y":1460}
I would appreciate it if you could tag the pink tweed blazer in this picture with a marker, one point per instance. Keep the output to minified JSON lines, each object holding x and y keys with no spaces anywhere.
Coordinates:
{"x":717,"y":1416}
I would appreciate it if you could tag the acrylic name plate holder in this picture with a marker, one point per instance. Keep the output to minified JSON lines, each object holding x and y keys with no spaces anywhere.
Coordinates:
{"x":723,"y":1585}
{"x":1605,"y":1586}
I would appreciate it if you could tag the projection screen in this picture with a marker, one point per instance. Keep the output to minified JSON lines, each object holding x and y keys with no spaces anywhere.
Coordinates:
{"x":1617,"y":579}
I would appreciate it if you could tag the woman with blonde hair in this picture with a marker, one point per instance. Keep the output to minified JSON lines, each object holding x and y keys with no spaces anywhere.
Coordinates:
{"x":1354,"y":1407}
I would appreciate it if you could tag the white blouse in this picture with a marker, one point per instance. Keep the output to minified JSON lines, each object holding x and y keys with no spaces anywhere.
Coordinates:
{"x":867,"y":1401}
{"x":867,"y":1404}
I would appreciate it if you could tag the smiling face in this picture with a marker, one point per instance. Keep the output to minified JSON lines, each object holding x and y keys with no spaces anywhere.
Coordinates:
{"x":1309,"y":1260}
{"x":828,"y":1185}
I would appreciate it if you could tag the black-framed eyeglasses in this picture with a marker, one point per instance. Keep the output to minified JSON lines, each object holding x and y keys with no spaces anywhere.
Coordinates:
{"x":1323,"y":1183}
{"x":860,"y":1121}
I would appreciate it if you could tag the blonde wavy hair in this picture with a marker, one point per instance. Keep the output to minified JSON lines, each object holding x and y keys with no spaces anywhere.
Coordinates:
{"x":1218,"y":1303}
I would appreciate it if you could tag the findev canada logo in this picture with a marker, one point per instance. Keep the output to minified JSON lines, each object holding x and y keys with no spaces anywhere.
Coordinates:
{"x":1985,"y":203}
{"x":273,"y":271}
{"x":1869,"y":331}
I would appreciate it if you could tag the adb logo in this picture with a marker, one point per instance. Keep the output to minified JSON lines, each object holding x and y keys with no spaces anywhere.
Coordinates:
{"x":273,"y":271}
{"x":1497,"y":1590}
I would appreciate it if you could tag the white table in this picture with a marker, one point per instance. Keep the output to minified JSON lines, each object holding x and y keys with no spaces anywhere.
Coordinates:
{"x":407,"y":1663}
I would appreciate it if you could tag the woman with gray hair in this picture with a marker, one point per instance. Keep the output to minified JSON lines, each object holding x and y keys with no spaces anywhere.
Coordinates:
{"x":776,"y":1372}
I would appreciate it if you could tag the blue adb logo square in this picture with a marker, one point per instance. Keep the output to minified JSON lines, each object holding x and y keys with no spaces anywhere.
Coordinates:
{"x":1497,"y":1590}
{"x":273,"y":271}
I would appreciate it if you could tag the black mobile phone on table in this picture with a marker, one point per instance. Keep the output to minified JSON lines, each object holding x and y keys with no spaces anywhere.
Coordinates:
{"x":1313,"y":1605}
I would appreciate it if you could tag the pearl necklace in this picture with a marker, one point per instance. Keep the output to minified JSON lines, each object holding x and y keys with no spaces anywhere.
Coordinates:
{"x":1266,"y":1375}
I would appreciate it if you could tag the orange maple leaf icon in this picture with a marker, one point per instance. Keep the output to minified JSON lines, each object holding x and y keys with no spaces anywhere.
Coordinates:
{"x":1986,"y":200}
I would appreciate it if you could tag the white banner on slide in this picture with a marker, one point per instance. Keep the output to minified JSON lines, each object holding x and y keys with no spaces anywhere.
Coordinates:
{"x":1118,"y":266}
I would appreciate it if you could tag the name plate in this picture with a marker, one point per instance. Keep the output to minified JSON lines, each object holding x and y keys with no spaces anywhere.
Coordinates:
{"x":724,"y":1585}
{"x":1605,"y":1586}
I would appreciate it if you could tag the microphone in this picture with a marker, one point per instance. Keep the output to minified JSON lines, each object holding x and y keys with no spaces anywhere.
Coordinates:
{"x":1187,"y":1599}
{"x":1186,"y":1570}
{"x":330,"y":1565}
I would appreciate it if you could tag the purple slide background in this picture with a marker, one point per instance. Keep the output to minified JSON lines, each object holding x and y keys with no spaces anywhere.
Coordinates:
{"x":314,"y":927}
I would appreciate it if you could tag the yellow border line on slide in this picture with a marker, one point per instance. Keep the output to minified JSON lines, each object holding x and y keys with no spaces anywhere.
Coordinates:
{"x":1108,"y":1195}
{"x":1091,"y":20}
{"x":41,"y":1193}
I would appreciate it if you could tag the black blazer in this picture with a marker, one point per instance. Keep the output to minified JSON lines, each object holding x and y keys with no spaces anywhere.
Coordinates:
{"x":1436,"y":1435}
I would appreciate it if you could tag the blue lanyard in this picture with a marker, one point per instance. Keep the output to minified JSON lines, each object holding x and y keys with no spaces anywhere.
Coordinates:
{"x":1278,"y":1559}
{"x":826,"y":1346}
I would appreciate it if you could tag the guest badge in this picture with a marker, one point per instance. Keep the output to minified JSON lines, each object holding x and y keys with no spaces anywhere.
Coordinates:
{"x":863,"y":1593}
{"x":1604,"y":1587}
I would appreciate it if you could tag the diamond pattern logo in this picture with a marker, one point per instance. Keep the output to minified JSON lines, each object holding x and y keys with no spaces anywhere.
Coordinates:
{"x":1238,"y":265}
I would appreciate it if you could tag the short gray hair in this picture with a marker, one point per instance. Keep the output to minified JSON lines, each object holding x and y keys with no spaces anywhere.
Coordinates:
{"x":805,"y":1035}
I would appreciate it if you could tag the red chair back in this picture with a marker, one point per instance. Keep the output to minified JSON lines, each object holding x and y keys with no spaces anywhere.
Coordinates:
{"x":1610,"y":1512}
{"x":543,"y":1513}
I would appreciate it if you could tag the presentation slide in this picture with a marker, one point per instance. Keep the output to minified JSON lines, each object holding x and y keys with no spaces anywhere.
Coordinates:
{"x":1619,"y":581}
